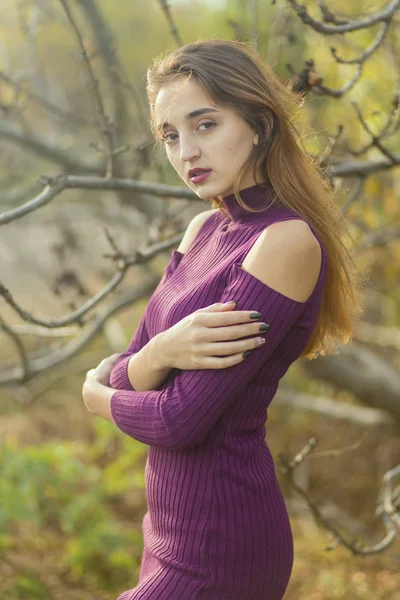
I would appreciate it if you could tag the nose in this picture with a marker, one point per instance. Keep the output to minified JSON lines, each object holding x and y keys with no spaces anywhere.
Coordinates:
{"x":188,"y":149}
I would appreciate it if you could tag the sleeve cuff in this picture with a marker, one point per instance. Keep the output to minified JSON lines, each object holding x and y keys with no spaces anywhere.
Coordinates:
{"x":120,"y":379}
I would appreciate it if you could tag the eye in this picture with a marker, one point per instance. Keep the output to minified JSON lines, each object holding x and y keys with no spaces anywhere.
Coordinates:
{"x":207,"y":123}
{"x":165,"y":136}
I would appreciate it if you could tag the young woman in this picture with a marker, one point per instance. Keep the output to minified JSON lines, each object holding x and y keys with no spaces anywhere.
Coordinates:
{"x":199,"y":374}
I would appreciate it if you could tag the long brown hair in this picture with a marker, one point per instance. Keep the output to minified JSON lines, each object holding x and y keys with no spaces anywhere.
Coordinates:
{"x":233,"y":73}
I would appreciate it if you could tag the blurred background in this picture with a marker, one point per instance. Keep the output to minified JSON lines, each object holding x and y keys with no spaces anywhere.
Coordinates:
{"x":84,"y":188}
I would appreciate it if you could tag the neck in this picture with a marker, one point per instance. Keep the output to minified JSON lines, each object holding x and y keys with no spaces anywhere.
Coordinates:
{"x":260,"y":196}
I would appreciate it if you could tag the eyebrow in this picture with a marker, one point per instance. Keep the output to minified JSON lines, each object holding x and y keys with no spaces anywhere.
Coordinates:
{"x":191,"y":115}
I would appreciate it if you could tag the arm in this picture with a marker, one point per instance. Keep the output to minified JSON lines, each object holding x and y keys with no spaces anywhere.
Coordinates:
{"x":181,"y":415}
{"x":137,"y":368}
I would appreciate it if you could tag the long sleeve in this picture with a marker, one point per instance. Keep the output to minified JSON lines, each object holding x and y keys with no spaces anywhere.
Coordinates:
{"x":181,"y":415}
{"x":119,"y":373}
{"x":119,"y":379}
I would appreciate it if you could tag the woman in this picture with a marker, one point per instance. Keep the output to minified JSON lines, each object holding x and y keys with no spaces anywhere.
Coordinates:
{"x":199,"y":374}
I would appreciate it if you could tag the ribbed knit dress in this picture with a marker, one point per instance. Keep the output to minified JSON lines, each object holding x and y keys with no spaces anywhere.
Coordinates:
{"x":216,"y":527}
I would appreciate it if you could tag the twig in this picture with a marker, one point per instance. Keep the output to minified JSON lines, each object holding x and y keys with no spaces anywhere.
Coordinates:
{"x":42,"y":148}
{"x":367,"y":53}
{"x":106,"y":126}
{"x":20,"y":348}
{"x":253,"y":7}
{"x":173,"y":28}
{"x":383,"y":15}
{"x":54,"y":186}
{"x":332,"y":409}
{"x":387,"y":510}
{"x":13,"y":373}
{"x":355,"y":194}
{"x":375,"y":138}
{"x":64,"y":114}
{"x":123,"y":264}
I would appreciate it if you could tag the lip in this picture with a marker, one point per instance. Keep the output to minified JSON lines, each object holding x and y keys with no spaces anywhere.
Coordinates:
{"x":200,"y":177}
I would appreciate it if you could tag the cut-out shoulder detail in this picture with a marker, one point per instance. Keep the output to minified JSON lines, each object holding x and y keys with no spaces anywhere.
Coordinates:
{"x":295,"y":261}
{"x":193,"y":229}
{"x":264,"y":286}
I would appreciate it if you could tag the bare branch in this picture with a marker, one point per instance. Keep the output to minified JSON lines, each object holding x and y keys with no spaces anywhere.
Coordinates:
{"x":363,"y":372}
{"x":64,"y":114}
{"x":377,"y":239}
{"x":332,"y":409}
{"x":367,"y":53}
{"x":328,"y":15}
{"x":323,"y":89}
{"x":375,"y":138}
{"x":390,"y":128}
{"x":388,"y":503}
{"x":253,"y":6}
{"x":323,"y":159}
{"x":307,"y":80}
{"x":383,"y":15}
{"x":379,"y":335}
{"x":56,"y":185}
{"x":13,"y":374}
{"x":23,"y":329}
{"x":388,"y":506}
{"x":119,"y":81}
{"x":361,"y":168}
{"x":355,"y":194}
{"x":106,"y":126}
{"x":14,"y":196}
{"x":20,"y":348}
{"x":50,"y":152}
{"x":124,"y":262}
{"x":173,"y":28}
{"x":49,"y":192}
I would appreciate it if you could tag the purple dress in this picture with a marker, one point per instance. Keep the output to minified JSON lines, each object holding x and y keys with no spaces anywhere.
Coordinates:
{"x":217,"y":527}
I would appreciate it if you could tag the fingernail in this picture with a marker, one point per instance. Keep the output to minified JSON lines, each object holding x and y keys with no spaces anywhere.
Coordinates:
{"x":246,"y":354}
{"x":255,"y":315}
{"x":230,"y":302}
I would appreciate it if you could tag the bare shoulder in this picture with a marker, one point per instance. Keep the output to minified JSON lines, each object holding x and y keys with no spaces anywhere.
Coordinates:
{"x":193,"y":228}
{"x":287,"y":257}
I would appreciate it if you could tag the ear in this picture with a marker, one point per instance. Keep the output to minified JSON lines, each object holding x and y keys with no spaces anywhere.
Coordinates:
{"x":255,"y":139}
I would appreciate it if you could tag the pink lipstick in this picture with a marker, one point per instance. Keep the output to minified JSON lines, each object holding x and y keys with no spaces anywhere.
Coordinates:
{"x":198,"y":178}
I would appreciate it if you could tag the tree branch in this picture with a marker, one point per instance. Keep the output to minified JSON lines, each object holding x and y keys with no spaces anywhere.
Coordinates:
{"x":383,"y":15}
{"x":14,"y":374}
{"x":52,"y":108}
{"x":50,"y":152}
{"x":105,"y":123}
{"x":388,"y":509}
{"x":124,"y":262}
{"x":172,"y":25}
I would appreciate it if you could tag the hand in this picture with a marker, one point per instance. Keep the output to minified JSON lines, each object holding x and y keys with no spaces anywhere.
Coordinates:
{"x":102,"y":372}
{"x":96,"y":393}
{"x":195,"y":342}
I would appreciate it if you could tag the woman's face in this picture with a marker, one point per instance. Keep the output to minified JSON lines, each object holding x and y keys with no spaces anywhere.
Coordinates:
{"x":199,"y":133}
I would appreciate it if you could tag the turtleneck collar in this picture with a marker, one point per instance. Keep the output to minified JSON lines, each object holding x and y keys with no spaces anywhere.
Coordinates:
{"x":259,"y":196}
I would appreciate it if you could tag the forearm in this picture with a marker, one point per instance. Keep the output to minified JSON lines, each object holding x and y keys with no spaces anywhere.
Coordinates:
{"x":147,"y":370}
{"x":97,"y":398}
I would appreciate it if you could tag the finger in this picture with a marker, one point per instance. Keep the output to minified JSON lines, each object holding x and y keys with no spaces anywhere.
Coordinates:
{"x":111,"y":358}
{"x":217,"y":306}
